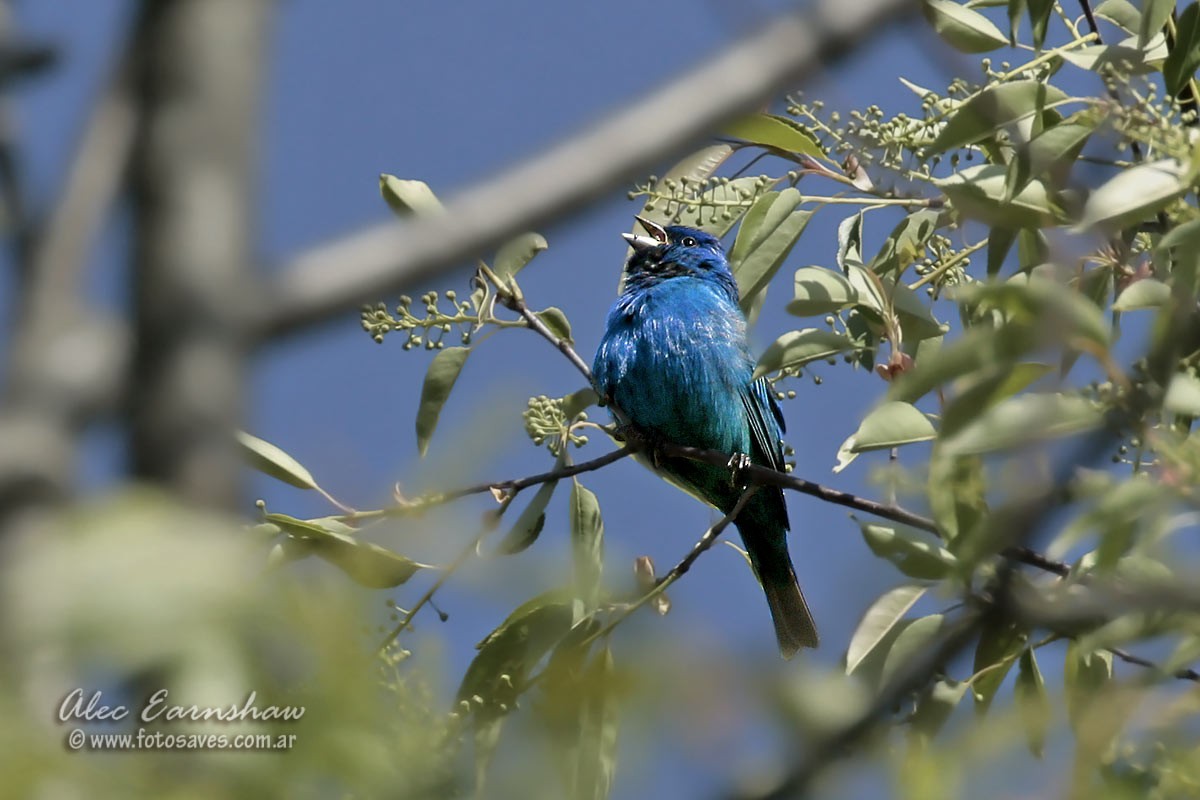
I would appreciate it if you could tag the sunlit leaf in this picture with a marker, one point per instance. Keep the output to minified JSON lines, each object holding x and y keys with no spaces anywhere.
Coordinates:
{"x":881,"y":618}
{"x":965,"y":30}
{"x":998,"y":105}
{"x":980,"y":192}
{"x":409,"y":197}
{"x":1121,"y":13}
{"x":1146,"y":293}
{"x":439,"y":381}
{"x":1134,"y":194}
{"x":914,"y":552}
{"x":892,"y":424}
{"x":271,"y":460}
{"x":554,"y":319}
{"x":768,"y":245}
{"x":1155,"y":14}
{"x":514,"y":254}
{"x":820,"y":291}
{"x":775,"y":131}
{"x":529,"y":524}
{"x":797,"y":348}
{"x":1024,"y":420}
{"x":587,"y":543}
{"x":1183,"y":395}
{"x":1184,"y":58}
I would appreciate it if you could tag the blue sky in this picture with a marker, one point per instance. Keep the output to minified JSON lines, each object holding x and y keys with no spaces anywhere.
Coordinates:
{"x":449,"y":95}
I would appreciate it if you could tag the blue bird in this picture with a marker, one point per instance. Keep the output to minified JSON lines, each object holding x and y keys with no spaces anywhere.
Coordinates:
{"x":674,"y":360}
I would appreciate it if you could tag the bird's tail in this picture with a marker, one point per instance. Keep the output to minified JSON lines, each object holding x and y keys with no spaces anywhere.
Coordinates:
{"x":767,"y":545}
{"x":794,"y":623}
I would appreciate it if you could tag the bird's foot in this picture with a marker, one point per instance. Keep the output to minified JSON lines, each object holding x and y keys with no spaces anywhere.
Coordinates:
{"x":738,"y":464}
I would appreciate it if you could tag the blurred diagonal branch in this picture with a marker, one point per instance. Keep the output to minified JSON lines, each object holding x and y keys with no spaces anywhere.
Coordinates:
{"x":336,"y":278}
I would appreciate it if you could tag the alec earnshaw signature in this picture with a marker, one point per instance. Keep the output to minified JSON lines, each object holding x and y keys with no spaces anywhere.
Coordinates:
{"x":93,"y":709}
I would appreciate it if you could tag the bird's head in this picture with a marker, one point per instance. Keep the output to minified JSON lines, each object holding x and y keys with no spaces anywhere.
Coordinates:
{"x":676,"y":251}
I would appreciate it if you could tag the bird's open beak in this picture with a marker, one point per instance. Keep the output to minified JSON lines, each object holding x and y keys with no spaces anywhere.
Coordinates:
{"x":658,"y":235}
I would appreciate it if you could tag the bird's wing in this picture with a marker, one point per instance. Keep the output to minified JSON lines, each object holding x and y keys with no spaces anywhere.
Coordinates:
{"x":766,"y":422}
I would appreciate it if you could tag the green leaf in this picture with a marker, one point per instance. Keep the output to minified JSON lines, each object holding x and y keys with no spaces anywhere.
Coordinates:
{"x":587,"y":543}
{"x":1183,"y":395}
{"x":554,"y":319}
{"x":1051,"y":151}
{"x":911,"y":641}
{"x":499,"y":670}
{"x":1127,"y":56}
{"x":1000,"y":241}
{"x":528,"y":526}
{"x":408,"y":197}
{"x":1085,"y":674}
{"x":850,"y":233}
{"x":1036,"y":301}
{"x":1155,"y":14}
{"x":820,"y":291}
{"x":1024,"y":420}
{"x":881,"y":619}
{"x":771,"y":130}
{"x":1039,"y":19}
{"x":935,"y":705}
{"x":1133,"y":195}
{"x":364,"y":562}
{"x":980,"y":192}
{"x":985,"y":390}
{"x":579,"y":401}
{"x":1032,"y":702}
{"x":1121,"y":13}
{"x":964,"y":29}
{"x":993,"y":108}
{"x":976,"y":349}
{"x":914,"y":552}
{"x":596,"y":758}
{"x":271,"y":460}
{"x":514,"y":254}
{"x":957,"y":493}
{"x":1184,"y":58}
{"x":796,"y":348}
{"x":890,"y":425}
{"x":773,"y":238}
{"x":907,"y":241}
{"x":1146,"y":293}
{"x":995,"y":655}
{"x":369,"y":564}
{"x":439,"y":381}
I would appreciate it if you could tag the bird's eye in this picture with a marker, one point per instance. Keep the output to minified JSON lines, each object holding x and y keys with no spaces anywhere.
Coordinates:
{"x":688,"y":241}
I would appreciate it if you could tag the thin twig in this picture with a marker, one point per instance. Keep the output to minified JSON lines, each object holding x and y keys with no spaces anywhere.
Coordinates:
{"x":512,"y":485}
{"x":679,"y":570}
{"x":1186,"y":674}
{"x":427,"y":598}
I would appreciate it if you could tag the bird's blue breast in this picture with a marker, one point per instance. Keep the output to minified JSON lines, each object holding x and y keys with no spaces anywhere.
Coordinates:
{"x":674,"y":359}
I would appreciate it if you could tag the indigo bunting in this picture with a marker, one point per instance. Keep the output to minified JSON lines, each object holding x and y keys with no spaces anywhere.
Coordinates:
{"x":675,"y":362}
